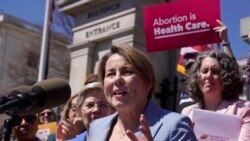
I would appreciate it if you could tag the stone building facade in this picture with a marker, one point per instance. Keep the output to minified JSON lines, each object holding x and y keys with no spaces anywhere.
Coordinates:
{"x":20,"y":44}
{"x":98,"y":25}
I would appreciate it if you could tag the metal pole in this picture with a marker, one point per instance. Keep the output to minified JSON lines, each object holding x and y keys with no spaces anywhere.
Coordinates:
{"x":45,"y":42}
{"x":248,"y":92}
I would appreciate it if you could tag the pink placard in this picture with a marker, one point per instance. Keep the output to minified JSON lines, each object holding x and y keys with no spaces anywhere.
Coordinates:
{"x":182,"y":23}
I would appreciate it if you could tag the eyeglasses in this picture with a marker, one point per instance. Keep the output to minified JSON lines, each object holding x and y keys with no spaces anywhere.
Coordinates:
{"x":48,"y":113}
{"x":73,"y":108}
{"x":92,"y":105}
{"x":28,"y":119}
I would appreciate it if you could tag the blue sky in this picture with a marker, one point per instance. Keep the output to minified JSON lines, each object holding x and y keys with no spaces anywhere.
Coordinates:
{"x":29,"y":10}
{"x":231,"y":13}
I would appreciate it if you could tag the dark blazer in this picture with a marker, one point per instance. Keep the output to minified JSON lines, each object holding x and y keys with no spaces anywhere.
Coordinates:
{"x":164,"y":125}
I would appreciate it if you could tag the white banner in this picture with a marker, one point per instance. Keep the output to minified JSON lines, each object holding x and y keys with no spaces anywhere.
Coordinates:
{"x":213,"y":126}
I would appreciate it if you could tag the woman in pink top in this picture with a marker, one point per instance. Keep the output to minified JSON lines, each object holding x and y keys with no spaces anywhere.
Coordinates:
{"x":215,"y":82}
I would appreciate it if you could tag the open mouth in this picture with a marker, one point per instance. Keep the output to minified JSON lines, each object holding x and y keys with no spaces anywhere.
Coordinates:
{"x":119,"y":93}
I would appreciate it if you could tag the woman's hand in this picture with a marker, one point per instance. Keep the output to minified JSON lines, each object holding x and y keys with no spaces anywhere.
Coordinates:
{"x":222,"y":29}
{"x":144,"y":128}
{"x":67,"y":129}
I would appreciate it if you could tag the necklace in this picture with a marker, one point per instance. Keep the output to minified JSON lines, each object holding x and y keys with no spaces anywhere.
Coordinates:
{"x":120,"y":130}
{"x":122,"y":135}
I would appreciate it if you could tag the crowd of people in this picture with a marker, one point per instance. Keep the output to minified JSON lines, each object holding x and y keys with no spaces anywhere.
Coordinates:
{"x":116,"y":104}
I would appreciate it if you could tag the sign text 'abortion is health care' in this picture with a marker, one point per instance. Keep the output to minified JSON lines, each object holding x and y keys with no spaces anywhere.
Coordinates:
{"x":179,"y":24}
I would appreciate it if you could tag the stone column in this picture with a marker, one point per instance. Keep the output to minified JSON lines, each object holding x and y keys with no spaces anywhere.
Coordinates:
{"x":81,"y":61}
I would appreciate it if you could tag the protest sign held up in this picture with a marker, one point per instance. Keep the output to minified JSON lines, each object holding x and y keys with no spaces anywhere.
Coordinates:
{"x":179,"y":24}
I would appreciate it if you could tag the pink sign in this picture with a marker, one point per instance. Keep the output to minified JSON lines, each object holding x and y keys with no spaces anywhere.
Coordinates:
{"x":182,"y":23}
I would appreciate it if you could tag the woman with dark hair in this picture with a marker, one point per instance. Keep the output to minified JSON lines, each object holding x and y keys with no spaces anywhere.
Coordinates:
{"x":26,"y":129}
{"x":215,"y":83}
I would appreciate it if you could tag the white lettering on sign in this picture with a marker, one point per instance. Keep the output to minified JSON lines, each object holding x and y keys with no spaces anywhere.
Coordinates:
{"x":178,"y":26}
{"x":171,"y":29}
{"x":103,"y":29}
{"x":172,"y":20}
{"x":198,"y":25}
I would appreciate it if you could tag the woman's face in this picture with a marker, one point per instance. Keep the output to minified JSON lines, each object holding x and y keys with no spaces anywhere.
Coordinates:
{"x":27,"y":129}
{"x":123,"y":87}
{"x":46,"y":116}
{"x":94,"y":106}
{"x":72,"y":109}
{"x":210,"y":83}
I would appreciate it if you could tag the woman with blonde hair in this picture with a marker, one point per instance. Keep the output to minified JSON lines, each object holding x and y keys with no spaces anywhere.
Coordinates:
{"x":91,"y":105}
{"x":128,"y":79}
{"x":71,"y":123}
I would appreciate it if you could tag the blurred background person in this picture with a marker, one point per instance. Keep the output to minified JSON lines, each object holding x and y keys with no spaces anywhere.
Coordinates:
{"x":183,"y":97}
{"x":91,"y":104}
{"x":71,"y":119}
{"x":26,"y":129}
{"x":215,"y":83}
{"x":47,"y":116}
{"x":47,"y":120}
{"x":91,"y":78}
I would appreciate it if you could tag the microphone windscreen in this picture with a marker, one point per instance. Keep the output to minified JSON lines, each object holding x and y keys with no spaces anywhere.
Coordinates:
{"x":20,"y":89}
{"x":50,"y":93}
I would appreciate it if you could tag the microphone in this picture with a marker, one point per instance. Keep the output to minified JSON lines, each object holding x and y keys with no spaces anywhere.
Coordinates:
{"x":4,"y":99}
{"x":43,"y":95}
{"x":14,"y":92}
{"x":20,"y":89}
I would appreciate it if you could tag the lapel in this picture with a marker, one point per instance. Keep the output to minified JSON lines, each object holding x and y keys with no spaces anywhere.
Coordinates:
{"x":153,"y":115}
{"x":105,"y":129}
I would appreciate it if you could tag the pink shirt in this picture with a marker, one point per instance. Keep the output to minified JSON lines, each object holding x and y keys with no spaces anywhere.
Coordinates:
{"x":240,"y":108}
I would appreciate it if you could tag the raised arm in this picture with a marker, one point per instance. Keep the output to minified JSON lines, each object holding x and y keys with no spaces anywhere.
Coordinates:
{"x":222,"y":30}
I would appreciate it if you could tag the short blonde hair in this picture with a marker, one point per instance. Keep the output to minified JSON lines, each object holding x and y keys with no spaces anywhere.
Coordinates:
{"x":89,"y":87}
